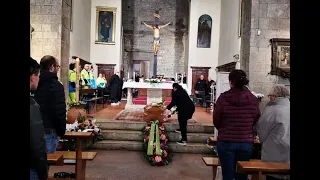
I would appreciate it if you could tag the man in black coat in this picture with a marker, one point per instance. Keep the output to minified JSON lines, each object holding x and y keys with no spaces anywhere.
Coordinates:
{"x":38,"y":155}
{"x":51,"y":98}
{"x":185,"y":109}
{"x":114,"y":88}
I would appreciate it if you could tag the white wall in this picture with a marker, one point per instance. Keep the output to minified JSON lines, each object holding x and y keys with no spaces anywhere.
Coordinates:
{"x":230,"y":42}
{"x":80,"y":34}
{"x":101,"y":53}
{"x":207,"y":57}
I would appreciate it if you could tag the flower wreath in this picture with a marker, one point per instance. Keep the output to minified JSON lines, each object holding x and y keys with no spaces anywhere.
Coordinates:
{"x":155,"y":146}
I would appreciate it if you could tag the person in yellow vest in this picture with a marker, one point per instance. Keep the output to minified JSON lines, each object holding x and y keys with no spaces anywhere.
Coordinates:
{"x":85,"y":77}
{"x":72,"y":84}
{"x":101,"y":84}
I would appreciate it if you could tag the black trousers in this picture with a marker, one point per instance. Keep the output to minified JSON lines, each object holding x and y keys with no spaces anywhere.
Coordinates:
{"x":183,"y":121}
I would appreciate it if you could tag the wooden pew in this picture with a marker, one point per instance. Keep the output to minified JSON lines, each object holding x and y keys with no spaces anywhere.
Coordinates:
{"x":70,"y":159}
{"x":257,"y":169}
{"x":55,"y":159}
{"x":215,"y":162}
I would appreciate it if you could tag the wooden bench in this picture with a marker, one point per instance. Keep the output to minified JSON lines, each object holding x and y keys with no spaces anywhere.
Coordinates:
{"x":215,"y":162}
{"x":257,"y":169}
{"x":55,"y":159}
{"x":71,"y":155}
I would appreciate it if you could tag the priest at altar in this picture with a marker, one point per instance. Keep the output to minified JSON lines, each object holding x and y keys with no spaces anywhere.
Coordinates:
{"x":154,"y":91}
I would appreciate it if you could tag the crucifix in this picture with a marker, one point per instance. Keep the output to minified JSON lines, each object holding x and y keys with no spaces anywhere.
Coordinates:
{"x":156,"y":25}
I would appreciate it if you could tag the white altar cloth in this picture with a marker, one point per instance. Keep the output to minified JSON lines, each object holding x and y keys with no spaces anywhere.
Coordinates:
{"x":147,"y":85}
{"x":154,"y":93}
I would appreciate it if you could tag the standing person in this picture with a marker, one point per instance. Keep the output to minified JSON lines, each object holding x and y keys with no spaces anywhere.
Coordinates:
{"x":85,"y":77}
{"x":273,"y":129}
{"x":114,"y":88}
{"x":38,"y":155}
{"x":185,"y":109}
{"x":119,"y":96}
{"x":235,"y":114}
{"x":51,"y":98}
{"x":72,"y":83}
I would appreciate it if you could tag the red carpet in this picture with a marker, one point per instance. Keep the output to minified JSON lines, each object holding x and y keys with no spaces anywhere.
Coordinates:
{"x":142,"y":100}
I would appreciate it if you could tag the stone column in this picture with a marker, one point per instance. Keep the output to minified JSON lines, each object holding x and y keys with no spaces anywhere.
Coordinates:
{"x":51,"y":36}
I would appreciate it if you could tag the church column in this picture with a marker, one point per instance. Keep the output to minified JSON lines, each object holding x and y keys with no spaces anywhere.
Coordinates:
{"x":51,"y":36}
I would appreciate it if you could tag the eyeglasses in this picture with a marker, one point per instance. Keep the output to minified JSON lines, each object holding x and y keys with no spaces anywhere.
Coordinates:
{"x":58,"y":66}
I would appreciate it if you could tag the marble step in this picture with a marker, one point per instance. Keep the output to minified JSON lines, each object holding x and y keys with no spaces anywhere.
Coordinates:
{"x":193,"y":148}
{"x":126,"y":135}
{"x":191,"y":128}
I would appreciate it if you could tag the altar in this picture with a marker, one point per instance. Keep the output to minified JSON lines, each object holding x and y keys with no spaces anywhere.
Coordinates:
{"x":154,"y":92}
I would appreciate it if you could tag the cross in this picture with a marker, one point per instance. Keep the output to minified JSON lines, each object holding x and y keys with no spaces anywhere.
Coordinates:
{"x":155,"y":25}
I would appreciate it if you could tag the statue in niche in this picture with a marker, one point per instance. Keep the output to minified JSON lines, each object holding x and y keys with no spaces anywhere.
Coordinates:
{"x":156,"y":31}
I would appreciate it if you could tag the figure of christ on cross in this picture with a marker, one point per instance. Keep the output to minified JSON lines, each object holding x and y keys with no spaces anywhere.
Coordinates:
{"x":156,"y":35}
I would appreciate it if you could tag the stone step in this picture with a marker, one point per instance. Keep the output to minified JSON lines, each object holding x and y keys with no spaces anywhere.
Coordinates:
{"x":191,"y":128}
{"x":127,"y":135}
{"x":120,"y":125}
{"x":192,"y":148}
{"x":138,"y":126}
{"x":118,"y":145}
{"x":122,"y":135}
{"x":192,"y":137}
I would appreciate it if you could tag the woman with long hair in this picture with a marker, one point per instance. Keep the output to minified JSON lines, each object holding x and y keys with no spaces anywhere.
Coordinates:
{"x":235,"y":114}
{"x":185,"y":109}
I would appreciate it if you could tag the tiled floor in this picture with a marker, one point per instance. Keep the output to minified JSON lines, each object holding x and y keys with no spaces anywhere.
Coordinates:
{"x":130,"y":165}
{"x":109,"y":112}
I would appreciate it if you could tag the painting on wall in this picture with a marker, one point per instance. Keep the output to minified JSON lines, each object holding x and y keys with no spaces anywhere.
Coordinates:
{"x":105,"y":25}
{"x":280,"y":62}
{"x":204,"y":31}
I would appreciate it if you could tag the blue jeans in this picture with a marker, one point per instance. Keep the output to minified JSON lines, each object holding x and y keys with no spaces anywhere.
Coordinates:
{"x":51,"y":142}
{"x":229,"y":153}
{"x":33,"y":174}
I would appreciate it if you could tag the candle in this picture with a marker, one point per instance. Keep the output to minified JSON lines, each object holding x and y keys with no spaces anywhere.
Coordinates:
{"x":134,"y":75}
{"x":176,"y":77}
{"x":128,"y":76}
{"x":77,"y":78}
{"x":182,"y":78}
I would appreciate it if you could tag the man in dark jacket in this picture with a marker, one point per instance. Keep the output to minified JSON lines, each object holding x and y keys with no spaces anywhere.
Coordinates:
{"x":185,"y":109}
{"x":201,"y":86}
{"x":114,"y":88}
{"x":38,"y":155}
{"x":51,"y":98}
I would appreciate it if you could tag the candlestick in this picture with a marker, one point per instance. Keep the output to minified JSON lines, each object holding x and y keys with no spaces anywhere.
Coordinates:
{"x":128,"y":76}
{"x":176,"y":77}
{"x":181,"y":78}
{"x":77,"y":78}
{"x":134,"y":75}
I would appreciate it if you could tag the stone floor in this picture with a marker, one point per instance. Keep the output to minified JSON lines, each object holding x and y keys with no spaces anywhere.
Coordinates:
{"x":130,"y":165}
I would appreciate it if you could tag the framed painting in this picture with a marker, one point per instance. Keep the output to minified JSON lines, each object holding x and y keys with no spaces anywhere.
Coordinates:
{"x":204,"y":31}
{"x":280,"y":61}
{"x":105,"y":25}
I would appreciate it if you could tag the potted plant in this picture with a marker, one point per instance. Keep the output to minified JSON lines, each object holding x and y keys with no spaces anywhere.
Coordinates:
{"x":74,"y":110}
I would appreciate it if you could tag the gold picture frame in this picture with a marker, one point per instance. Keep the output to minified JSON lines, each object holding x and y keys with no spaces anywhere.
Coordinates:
{"x":106,"y":19}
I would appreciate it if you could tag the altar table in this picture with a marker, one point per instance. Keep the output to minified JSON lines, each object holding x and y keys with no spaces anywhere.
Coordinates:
{"x":154,"y":91}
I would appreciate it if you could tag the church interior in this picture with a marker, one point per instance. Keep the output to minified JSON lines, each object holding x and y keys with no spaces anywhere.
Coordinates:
{"x":159,"y":40}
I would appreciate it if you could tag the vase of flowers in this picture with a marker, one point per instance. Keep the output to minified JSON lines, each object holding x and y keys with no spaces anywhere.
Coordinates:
{"x":74,"y":110}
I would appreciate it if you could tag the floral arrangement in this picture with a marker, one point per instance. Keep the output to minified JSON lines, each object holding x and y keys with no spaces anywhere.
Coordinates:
{"x":83,"y":125}
{"x":156,"y":80}
{"x":79,"y":104}
{"x":258,"y":95}
{"x":155,"y":144}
